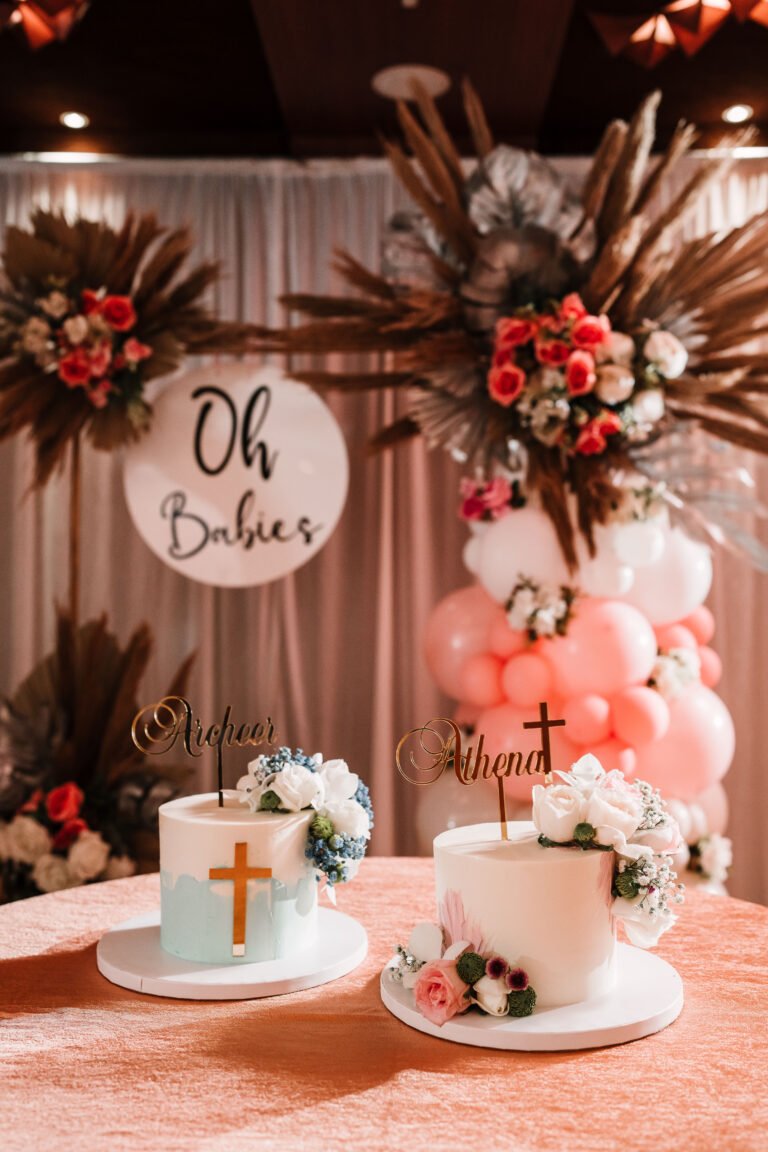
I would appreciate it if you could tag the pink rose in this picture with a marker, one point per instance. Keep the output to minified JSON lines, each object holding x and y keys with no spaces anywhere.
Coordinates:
{"x":607,"y":423}
{"x":439,"y":992}
{"x":505,"y":383}
{"x":99,"y":394}
{"x":554,"y":352}
{"x":75,"y":368}
{"x":591,"y":441}
{"x":590,"y":331}
{"x":512,"y":331}
{"x":472,"y":508}
{"x":100,"y":359}
{"x":572,"y":307}
{"x":134,"y":350}
{"x":580,"y":373}
{"x":119,"y":313}
{"x":497,"y":495}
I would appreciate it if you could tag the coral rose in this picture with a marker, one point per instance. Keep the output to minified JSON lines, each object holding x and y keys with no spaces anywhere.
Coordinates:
{"x":75,"y":368}
{"x":69,"y":832}
{"x":91,"y":301}
{"x":552,"y":352}
{"x":590,"y":331}
{"x":439,"y":991}
{"x":505,"y":383}
{"x":134,"y":350}
{"x":580,"y":373}
{"x":511,"y":331}
{"x":64,"y":803}
{"x":572,"y":307}
{"x":119,"y":313}
{"x":591,"y":441}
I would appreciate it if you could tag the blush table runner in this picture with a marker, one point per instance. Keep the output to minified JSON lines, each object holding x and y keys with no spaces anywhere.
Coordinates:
{"x":85,"y":1064}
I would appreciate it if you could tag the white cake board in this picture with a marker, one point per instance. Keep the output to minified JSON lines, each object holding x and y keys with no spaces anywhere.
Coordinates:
{"x":131,"y":955}
{"x":648,"y":996}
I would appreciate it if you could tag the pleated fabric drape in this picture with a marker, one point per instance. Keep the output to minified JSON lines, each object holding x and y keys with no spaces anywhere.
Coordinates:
{"x":333,"y":651}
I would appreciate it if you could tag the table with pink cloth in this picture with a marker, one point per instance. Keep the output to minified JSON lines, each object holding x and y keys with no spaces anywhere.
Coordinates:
{"x":88,"y":1065}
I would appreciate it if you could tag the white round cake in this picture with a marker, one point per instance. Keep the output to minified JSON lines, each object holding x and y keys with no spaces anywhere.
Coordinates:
{"x":547,"y":910}
{"x":220,"y":862}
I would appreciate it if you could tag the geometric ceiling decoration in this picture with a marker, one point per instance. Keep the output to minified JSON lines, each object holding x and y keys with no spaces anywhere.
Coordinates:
{"x":42,"y":21}
{"x":684,"y":24}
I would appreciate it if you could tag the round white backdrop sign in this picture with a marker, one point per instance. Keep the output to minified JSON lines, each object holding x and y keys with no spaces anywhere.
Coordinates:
{"x":242,"y":477}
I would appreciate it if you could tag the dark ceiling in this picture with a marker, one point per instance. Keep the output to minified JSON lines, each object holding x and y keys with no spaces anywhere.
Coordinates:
{"x":292,"y":77}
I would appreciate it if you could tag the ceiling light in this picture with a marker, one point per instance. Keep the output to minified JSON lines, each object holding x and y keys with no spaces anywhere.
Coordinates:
{"x":738,"y":113}
{"x":74,"y":120}
{"x":396,"y":83}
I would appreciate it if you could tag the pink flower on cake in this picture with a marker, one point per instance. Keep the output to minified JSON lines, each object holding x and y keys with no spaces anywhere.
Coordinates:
{"x":517,"y":980}
{"x":580,"y":373}
{"x":455,"y":923}
{"x":439,"y":992}
{"x":505,"y":383}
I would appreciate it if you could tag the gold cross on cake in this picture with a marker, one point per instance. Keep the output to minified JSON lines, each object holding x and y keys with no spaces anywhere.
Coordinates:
{"x":240,"y":874}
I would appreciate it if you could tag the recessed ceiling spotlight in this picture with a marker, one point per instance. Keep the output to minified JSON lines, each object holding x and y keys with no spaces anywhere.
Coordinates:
{"x":738,"y":113}
{"x":74,"y":120}
{"x":396,"y":83}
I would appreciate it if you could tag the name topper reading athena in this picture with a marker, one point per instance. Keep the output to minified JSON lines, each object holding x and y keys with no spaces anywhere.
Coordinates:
{"x":157,"y":727}
{"x":438,"y":744}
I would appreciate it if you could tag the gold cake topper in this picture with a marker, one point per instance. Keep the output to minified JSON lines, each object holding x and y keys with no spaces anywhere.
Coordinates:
{"x":440,"y":748}
{"x":157,"y":727}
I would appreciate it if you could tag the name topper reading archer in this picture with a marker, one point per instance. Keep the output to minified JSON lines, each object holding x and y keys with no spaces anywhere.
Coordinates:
{"x":440,"y":748}
{"x":157,"y":727}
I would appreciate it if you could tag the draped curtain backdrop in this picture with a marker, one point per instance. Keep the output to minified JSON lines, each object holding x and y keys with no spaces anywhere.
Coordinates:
{"x":333,"y":651}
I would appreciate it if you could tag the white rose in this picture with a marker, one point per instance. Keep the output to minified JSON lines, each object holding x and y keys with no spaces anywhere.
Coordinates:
{"x":544,"y":622}
{"x":617,"y":348}
{"x":26,"y":840}
{"x":585,"y":774}
{"x":348,"y":818}
{"x":613,"y":810}
{"x":663,"y":839}
{"x":426,"y":941}
{"x":491,"y":996}
{"x":521,"y":608}
{"x":76,"y":329}
{"x":648,"y":406}
{"x":557,"y":810}
{"x":51,"y":873}
{"x":88,"y":857}
{"x":614,"y":383}
{"x":339,"y":783}
{"x":297,"y":787}
{"x":667,"y":353}
{"x":643,"y":930}
{"x":119,"y":867}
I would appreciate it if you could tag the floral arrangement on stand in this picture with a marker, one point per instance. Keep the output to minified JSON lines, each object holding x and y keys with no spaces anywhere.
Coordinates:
{"x":603,"y":811}
{"x":88,"y":316}
{"x":593,"y":372}
{"x":339,"y":832}
{"x":78,"y":802}
{"x":447,"y":981}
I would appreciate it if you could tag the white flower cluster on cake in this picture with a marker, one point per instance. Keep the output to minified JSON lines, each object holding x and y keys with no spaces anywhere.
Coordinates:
{"x":290,"y":781}
{"x":602,"y":810}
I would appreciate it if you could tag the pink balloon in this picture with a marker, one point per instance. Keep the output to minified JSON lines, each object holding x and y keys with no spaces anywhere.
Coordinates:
{"x":640,"y":715}
{"x":711,"y":666}
{"x":526,"y":680}
{"x":675,"y":636}
{"x":609,"y":646}
{"x":697,"y":748}
{"x":502,"y":731}
{"x":506,"y":641}
{"x":714,"y":804}
{"x":480,"y":681}
{"x":458,"y":627}
{"x":588,"y":719}
{"x":702,"y":623}
{"x":615,"y":754}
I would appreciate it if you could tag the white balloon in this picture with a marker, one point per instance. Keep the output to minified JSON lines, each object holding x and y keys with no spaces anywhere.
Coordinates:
{"x":677,"y":583}
{"x":242,"y":477}
{"x":602,"y":574}
{"x":471,"y":554}
{"x":639,"y":543}
{"x":522,"y":543}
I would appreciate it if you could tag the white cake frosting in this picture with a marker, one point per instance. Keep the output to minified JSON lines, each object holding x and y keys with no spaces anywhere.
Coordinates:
{"x":196,"y":912}
{"x":547,"y":910}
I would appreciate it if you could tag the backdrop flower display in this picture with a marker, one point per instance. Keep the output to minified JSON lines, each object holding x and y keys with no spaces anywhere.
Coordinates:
{"x":591,"y":370}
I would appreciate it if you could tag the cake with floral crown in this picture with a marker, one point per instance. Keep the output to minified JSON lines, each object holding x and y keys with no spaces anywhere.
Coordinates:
{"x":531,"y":920}
{"x":240,"y":879}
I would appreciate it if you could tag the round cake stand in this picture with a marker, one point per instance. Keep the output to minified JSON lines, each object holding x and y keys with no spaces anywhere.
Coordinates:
{"x":647,"y":996}
{"x":131,"y":955}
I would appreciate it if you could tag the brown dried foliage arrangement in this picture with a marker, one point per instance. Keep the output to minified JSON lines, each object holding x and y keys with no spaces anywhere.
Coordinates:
{"x":619,"y":250}
{"x":90,"y":314}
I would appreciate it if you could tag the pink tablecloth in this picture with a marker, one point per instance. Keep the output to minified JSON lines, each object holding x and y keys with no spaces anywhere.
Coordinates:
{"x":87,"y":1065}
